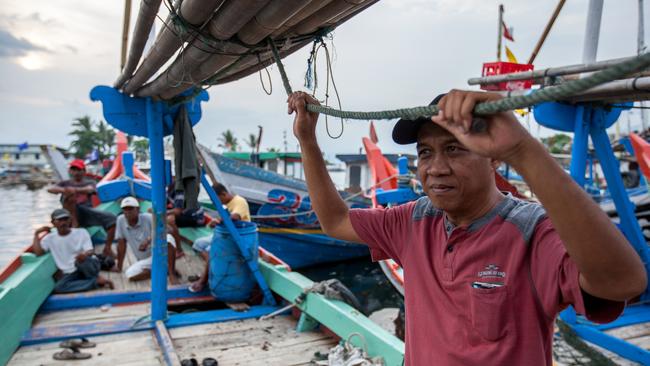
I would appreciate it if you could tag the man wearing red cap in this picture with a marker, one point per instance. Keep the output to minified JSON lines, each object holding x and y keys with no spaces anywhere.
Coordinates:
{"x":485,"y":274}
{"x":76,"y":194}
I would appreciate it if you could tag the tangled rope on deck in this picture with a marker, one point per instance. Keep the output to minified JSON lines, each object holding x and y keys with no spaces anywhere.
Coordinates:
{"x":553,"y":93}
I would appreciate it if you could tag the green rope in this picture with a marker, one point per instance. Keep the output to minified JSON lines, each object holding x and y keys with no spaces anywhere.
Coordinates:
{"x":278,"y":61}
{"x":486,"y":108}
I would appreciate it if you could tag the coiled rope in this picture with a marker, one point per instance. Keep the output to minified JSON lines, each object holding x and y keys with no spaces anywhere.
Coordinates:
{"x":548,"y":94}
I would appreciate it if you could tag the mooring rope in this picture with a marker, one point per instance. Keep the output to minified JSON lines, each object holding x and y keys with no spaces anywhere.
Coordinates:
{"x":548,"y":94}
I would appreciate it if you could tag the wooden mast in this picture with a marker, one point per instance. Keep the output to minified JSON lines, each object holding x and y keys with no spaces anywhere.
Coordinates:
{"x":549,"y":25}
{"x":125,"y":32}
{"x":500,"y":33}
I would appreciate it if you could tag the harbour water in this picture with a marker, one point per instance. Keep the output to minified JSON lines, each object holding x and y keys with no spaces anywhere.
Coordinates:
{"x":22,"y":211}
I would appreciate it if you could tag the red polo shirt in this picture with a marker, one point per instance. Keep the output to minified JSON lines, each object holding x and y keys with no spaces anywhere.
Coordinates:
{"x":485,"y":294}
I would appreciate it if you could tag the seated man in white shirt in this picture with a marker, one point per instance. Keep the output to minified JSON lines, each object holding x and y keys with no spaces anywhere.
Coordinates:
{"x":73,"y":254}
{"x":135,"y":229}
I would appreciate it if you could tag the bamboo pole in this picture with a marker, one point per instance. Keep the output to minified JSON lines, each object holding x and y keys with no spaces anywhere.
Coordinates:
{"x":640,"y":50}
{"x":125,"y":32}
{"x":624,"y":89}
{"x":500,"y":33}
{"x":550,"y":72}
{"x":549,"y":25}
{"x":143,"y":25}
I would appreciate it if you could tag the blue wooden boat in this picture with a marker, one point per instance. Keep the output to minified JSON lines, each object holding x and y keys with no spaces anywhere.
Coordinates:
{"x":303,"y":247}
{"x":295,"y":236}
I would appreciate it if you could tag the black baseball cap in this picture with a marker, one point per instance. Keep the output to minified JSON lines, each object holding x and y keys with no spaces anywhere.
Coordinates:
{"x":60,"y":213}
{"x":406,"y":131}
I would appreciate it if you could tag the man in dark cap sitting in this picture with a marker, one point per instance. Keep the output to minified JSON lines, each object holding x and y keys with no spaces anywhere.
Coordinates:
{"x":72,"y":252}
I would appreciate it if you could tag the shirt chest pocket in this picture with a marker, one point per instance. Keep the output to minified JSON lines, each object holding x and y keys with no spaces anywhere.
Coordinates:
{"x":490,"y":311}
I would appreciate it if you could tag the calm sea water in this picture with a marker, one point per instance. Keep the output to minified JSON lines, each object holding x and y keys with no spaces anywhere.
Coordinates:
{"x":21,"y":212}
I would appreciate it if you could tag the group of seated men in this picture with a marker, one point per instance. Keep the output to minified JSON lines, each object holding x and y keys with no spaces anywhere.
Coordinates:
{"x":72,"y":249}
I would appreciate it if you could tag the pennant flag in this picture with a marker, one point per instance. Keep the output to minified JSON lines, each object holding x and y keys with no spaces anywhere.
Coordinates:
{"x":23,"y":146}
{"x":511,"y":56}
{"x":507,"y":32}
{"x":92,"y":156}
{"x":373,"y":133}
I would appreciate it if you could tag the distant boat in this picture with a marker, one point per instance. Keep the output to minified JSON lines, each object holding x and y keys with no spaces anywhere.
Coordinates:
{"x":295,"y":237}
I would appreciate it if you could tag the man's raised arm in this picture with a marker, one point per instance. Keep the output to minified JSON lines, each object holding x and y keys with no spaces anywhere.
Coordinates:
{"x":331,"y":210}
{"x":609,"y":267}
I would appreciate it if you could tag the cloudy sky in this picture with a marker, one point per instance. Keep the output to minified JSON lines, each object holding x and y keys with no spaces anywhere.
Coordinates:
{"x":398,"y":53}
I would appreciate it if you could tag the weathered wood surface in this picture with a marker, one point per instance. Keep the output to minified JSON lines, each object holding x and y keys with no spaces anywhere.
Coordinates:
{"x":138,"y":348}
{"x":251,"y":342}
{"x":187,"y":265}
{"x":243,"y":342}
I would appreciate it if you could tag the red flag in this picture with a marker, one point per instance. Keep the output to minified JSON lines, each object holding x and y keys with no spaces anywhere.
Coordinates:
{"x":507,"y":32}
{"x":373,"y":133}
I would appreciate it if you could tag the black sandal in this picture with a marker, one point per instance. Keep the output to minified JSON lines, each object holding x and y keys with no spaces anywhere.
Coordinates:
{"x":69,"y":354}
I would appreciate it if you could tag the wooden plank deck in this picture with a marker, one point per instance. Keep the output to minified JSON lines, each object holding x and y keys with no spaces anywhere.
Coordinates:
{"x":137,"y":348}
{"x":251,"y":342}
{"x":188,"y":265}
{"x":242,"y":342}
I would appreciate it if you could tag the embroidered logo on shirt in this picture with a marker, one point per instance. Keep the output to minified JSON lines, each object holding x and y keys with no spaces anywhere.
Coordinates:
{"x":491,"y":270}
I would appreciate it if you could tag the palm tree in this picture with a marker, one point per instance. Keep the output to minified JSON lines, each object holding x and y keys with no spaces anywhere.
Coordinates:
{"x":228,"y":141}
{"x":84,"y":137}
{"x":105,"y":139}
{"x":87,"y":138}
{"x":252,"y":141}
{"x":141,"y":149}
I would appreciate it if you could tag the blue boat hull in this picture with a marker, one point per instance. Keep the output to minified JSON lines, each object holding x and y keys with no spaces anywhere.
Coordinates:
{"x":304,"y":250}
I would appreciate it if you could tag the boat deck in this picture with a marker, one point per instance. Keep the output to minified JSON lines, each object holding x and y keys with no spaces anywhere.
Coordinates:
{"x":189,"y":264}
{"x":124,"y":336}
{"x":239,"y":342}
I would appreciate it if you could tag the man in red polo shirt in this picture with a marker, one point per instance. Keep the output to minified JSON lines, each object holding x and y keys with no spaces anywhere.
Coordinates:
{"x":485,"y":273}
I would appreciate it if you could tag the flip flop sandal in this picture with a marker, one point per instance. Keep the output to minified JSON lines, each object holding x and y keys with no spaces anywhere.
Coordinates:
{"x":71,"y":354}
{"x":193,"y":278}
{"x":77,"y":343}
{"x":189,"y":362}
{"x":209,"y":361}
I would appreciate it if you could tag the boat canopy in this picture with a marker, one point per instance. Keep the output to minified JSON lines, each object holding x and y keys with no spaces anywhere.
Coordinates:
{"x":219,"y":41}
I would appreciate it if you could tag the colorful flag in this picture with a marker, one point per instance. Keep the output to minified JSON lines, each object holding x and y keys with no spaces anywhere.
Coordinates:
{"x":507,"y":32}
{"x":23,"y":146}
{"x":373,"y":133}
{"x":511,"y":56}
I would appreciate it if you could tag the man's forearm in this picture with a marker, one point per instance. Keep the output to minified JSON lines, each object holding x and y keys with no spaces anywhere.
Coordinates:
{"x":36,"y":245}
{"x":89,"y":189}
{"x":121,"y":251}
{"x":55,"y":189}
{"x":325,"y":199}
{"x":603,"y":255}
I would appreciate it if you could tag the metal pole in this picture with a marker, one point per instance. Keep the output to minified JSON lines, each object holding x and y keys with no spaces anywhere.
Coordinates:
{"x":125,"y":31}
{"x":500,"y":34}
{"x":592,"y":31}
{"x":159,"y":250}
{"x":580,"y":145}
{"x":640,"y":49}
{"x":539,"y":75}
{"x":549,"y":25}
{"x":625,"y":89}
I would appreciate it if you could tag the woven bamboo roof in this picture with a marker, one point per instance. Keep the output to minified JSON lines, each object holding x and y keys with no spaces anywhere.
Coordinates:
{"x":218,"y":41}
